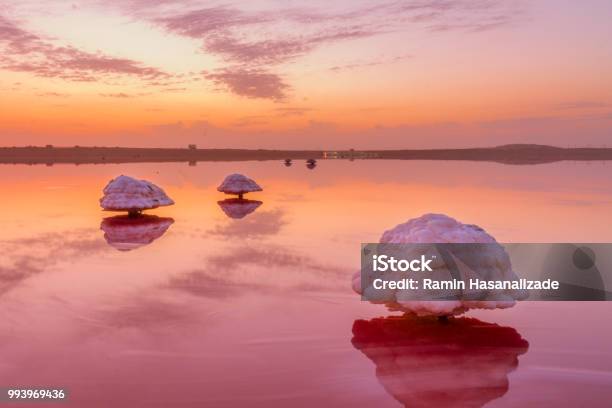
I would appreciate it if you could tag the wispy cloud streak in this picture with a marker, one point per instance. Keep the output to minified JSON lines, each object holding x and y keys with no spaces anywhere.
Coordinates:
{"x":251,"y":44}
{"x":256,"y":41}
{"x":250,"y":82}
{"x":24,"y":51}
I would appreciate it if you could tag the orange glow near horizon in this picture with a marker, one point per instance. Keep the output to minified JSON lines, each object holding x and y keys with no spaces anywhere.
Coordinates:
{"x":167,"y":75}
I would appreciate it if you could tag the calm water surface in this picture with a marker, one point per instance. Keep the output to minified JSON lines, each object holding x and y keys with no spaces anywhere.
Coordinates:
{"x":195,"y":308}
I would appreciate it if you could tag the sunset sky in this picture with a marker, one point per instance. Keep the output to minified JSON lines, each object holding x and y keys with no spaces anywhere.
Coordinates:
{"x":297,"y":74}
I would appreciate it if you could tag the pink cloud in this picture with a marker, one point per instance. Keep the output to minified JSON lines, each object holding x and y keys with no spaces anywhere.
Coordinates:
{"x":120,"y":95}
{"x":359,"y":65}
{"x":202,"y":22}
{"x":250,"y":82}
{"x":220,"y":30}
{"x":252,"y":42}
{"x":291,"y":111}
{"x":274,"y":51}
{"x":23,"y":51}
{"x":54,"y":94}
{"x":223,"y":33}
{"x":258,"y":40}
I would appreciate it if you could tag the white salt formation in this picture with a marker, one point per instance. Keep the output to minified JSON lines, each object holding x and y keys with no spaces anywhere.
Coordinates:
{"x":490,"y":262}
{"x":127,"y":233}
{"x":129,"y":194}
{"x":435,"y":228}
{"x":238,"y":184}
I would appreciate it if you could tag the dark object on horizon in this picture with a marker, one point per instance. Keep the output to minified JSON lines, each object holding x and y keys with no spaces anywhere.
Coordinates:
{"x":192,"y":147}
{"x":311,"y":163}
{"x":125,"y":233}
{"x":421,"y":362}
{"x":288,"y":162}
{"x":238,"y":208}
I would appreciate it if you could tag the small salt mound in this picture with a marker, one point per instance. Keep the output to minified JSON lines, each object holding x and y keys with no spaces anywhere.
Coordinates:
{"x":238,"y":184}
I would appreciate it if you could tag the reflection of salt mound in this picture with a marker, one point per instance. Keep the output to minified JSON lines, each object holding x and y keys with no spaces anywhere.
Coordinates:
{"x":237,"y":207}
{"x":487,"y":261}
{"x":422,"y":363}
{"x":126,"y":233}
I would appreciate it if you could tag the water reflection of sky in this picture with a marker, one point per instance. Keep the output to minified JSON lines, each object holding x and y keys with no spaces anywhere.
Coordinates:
{"x":259,"y":309}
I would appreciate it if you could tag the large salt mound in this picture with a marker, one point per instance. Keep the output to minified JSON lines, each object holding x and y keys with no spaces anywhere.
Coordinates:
{"x":490,"y":263}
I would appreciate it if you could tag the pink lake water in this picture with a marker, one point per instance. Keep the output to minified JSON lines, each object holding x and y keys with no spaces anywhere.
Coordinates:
{"x":200,"y":309}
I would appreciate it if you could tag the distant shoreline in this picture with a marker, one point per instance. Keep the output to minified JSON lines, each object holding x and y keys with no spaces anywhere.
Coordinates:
{"x":507,"y":154}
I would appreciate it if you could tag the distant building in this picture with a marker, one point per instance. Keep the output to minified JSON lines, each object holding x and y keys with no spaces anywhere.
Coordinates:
{"x":192,"y":147}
